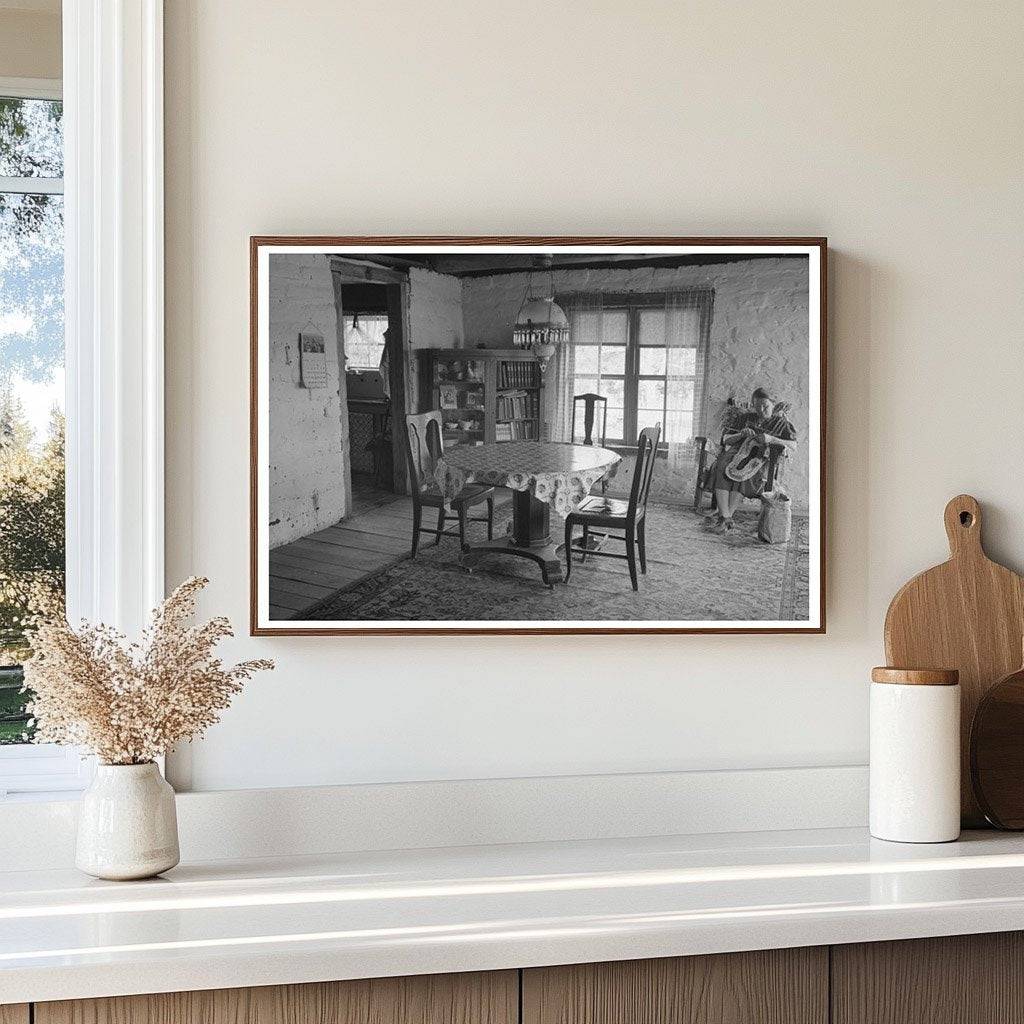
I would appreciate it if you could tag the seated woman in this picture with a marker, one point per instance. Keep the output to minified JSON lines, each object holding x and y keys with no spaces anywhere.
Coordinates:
{"x":741,"y":468}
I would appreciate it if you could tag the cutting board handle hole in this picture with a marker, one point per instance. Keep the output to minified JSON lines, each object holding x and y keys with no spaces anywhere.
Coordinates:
{"x":966,"y":519}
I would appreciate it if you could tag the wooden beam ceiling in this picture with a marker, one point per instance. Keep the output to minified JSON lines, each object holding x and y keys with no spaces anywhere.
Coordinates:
{"x":489,"y":264}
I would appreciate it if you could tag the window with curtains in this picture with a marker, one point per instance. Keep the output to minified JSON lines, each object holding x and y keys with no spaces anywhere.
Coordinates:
{"x":645,"y":354}
{"x":364,"y":340}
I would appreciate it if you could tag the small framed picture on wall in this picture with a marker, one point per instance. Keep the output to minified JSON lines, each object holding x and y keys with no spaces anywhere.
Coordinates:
{"x":537,"y":435}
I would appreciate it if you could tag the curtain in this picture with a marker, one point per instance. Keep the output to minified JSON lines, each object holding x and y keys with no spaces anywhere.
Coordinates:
{"x":585,"y":325}
{"x":687,"y":327}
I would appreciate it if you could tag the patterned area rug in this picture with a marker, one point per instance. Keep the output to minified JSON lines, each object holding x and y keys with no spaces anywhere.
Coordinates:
{"x":691,"y":576}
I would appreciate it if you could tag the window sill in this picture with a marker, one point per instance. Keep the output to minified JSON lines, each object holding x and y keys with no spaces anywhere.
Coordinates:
{"x":42,"y":771}
{"x":661,"y":453}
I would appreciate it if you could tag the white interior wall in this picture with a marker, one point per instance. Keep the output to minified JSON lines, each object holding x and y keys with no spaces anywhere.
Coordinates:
{"x":895,"y":129}
{"x":435,"y":310}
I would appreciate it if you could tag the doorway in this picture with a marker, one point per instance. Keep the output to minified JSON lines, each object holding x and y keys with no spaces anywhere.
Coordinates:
{"x":372,"y":316}
{"x":365,"y":335}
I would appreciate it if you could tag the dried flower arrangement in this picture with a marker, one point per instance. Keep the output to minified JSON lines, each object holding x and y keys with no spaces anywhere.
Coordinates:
{"x":129,"y":703}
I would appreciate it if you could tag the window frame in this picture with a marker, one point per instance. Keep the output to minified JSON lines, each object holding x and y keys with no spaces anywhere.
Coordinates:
{"x":48,"y":89}
{"x":112,"y":90}
{"x":634,"y":303}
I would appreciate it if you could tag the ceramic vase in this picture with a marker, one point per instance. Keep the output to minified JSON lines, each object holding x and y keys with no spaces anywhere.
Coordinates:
{"x":127,"y":825}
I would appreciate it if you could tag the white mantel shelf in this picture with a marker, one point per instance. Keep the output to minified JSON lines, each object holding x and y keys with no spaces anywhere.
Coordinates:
{"x":352,"y":915}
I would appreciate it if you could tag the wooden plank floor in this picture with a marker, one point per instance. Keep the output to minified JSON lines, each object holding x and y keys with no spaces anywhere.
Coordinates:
{"x":377,"y":533}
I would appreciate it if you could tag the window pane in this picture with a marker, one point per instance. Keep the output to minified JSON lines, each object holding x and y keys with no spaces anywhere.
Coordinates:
{"x":586,"y":359}
{"x":651,"y":395}
{"x":614,"y":391}
{"x":652,"y":360}
{"x":615,"y":428}
{"x":364,"y":341}
{"x":30,"y":138}
{"x":678,"y":427}
{"x":652,"y":327}
{"x":682,"y":326}
{"x":31,"y":430}
{"x":585,"y":386}
{"x":682,"y":362}
{"x":586,"y":328}
{"x":614,"y":327}
{"x":680,"y":394}
{"x":613,"y":359}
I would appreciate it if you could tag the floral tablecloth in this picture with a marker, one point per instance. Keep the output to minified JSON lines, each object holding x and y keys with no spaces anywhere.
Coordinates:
{"x":553,"y":472}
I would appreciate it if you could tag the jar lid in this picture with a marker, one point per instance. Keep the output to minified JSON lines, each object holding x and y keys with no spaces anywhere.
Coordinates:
{"x":916,"y":676}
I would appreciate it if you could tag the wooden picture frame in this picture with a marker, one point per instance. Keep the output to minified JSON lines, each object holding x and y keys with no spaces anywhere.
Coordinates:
{"x":356,"y":254}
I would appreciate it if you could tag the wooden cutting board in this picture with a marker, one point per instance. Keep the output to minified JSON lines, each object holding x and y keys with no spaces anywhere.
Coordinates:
{"x":967,"y":614}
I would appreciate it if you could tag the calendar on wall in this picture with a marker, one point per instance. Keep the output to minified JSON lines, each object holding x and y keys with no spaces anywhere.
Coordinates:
{"x":312,"y":360}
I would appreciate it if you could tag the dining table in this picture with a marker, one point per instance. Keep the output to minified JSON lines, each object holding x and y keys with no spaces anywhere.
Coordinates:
{"x":542,"y":475}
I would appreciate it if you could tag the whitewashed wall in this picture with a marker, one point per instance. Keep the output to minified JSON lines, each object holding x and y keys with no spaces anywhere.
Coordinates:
{"x":758,"y":338}
{"x":672,"y":116}
{"x":308,"y":426}
{"x":435,"y":310}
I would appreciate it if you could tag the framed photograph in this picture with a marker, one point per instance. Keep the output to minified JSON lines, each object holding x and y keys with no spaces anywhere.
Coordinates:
{"x":537,"y":435}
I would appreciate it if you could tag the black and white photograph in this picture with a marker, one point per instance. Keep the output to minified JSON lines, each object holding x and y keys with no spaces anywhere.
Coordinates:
{"x":551,"y":435}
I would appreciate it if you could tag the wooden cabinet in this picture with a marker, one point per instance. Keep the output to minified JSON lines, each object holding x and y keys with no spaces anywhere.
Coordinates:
{"x":962,"y":979}
{"x":971,"y":979}
{"x":483,"y":394}
{"x":777,"y":986}
{"x":490,"y":998}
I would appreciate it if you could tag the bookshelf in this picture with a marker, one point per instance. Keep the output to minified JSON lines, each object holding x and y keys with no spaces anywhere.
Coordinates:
{"x":483,"y":394}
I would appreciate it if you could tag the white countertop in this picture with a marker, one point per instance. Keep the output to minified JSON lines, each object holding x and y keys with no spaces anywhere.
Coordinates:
{"x":260,"y":922}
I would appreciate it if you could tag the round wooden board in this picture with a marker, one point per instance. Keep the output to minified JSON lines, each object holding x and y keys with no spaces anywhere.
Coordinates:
{"x":997,"y":752}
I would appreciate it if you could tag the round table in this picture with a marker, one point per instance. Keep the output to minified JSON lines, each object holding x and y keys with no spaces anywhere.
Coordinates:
{"x":542,"y":475}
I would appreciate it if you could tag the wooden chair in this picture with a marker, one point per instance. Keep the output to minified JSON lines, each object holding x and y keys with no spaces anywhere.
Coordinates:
{"x":628,"y":516}
{"x":590,"y":403}
{"x":424,"y":446}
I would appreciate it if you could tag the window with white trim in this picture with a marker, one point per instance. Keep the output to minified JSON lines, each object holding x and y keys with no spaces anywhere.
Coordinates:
{"x":113,"y":312}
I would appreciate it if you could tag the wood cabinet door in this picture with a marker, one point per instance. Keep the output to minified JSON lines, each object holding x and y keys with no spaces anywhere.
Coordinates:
{"x":961,"y":979}
{"x":481,"y":998}
{"x":14,"y":1013}
{"x":778,"y":986}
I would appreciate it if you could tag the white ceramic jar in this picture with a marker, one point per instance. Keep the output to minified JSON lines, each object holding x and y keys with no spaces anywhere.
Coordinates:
{"x":127,"y":824}
{"x":915,"y":755}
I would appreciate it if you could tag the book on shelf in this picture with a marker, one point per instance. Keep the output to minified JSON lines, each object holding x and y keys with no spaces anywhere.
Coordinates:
{"x":517,"y":405}
{"x":523,"y":374}
{"x":517,"y":430}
